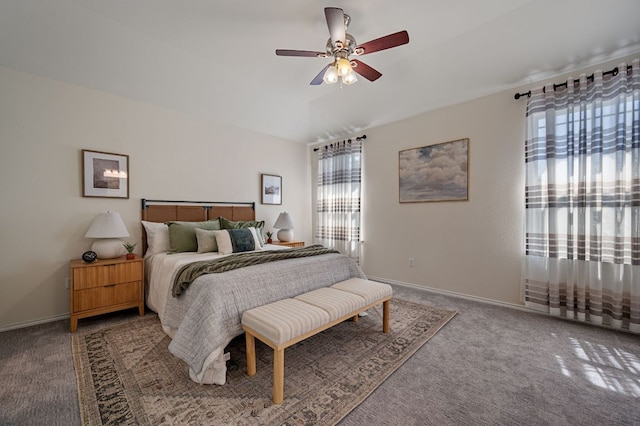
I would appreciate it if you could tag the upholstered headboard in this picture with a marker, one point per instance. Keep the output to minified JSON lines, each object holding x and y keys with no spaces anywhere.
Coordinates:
{"x":193,"y":211}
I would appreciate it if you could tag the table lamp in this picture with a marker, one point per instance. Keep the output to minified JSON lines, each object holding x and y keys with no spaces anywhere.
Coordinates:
{"x":285,"y":226}
{"x":108,"y":228}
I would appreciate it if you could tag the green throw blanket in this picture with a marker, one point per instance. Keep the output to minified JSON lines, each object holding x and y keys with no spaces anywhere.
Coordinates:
{"x":188,"y":273}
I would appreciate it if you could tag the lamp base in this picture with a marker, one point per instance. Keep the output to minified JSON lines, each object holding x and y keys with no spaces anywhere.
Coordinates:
{"x":108,"y":248}
{"x":285,"y":235}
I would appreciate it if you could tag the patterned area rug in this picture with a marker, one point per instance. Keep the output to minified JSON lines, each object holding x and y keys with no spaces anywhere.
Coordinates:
{"x":126,"y":374}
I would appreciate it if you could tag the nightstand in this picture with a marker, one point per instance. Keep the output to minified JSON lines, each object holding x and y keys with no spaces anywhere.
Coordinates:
{"x":289,"y":243}
{"x":105,"y":286}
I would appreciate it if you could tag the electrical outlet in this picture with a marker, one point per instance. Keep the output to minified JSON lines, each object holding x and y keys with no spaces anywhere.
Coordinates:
{"x":412,"y":262}
{"x":66,"y":283}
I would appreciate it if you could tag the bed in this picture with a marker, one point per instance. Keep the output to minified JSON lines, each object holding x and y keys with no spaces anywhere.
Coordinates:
{"x":206,"y":316}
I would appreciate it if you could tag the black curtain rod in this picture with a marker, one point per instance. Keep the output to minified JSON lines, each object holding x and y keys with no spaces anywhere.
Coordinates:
{"x":559,"y":85}
{"x":344,"y":141}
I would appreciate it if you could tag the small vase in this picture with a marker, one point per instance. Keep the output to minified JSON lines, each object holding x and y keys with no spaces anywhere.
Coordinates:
{"x":269,"y":241}
{"x":130,"y":256}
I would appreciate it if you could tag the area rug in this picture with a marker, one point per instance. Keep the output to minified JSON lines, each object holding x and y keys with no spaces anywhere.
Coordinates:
{"x":126,"y":374}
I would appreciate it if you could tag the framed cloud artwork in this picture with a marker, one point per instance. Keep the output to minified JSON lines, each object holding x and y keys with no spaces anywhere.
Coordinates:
{"x":437,"y":172}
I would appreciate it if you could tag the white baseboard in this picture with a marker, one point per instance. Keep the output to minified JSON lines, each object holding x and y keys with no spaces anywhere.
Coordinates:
{"x":30,"y":323}
{"x":453,"y":294}
{"x":493,"y":302}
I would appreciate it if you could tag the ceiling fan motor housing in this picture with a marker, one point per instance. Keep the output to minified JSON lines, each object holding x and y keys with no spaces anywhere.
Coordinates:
{"x":339,"y":47}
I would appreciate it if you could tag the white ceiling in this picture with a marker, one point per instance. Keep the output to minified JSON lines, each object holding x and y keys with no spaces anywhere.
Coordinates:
{"x":215,"y":60}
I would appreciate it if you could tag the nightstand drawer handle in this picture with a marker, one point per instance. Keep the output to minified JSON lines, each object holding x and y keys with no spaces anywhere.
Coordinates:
{"x":110,"y":285}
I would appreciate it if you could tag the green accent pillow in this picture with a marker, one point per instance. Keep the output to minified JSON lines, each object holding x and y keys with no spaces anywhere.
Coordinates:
{"x":243,"y":224}
{"x":182,"y":235}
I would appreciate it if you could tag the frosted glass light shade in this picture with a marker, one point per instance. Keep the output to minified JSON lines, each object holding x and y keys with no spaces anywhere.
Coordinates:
{"x":350,"y":78}
{"x":108,"y":227}
{"x":343,"y":66}
{"x":285,"y":225}
{"x":331,"y":75}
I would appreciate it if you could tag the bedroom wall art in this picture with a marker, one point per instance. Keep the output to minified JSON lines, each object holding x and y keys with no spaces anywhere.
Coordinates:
{"x":271,"y":189}
{"x":105,"y":174}
{"x":437,"y":172}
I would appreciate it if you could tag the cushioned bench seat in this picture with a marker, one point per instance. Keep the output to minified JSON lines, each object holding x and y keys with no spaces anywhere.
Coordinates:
{"x":286,"y":322}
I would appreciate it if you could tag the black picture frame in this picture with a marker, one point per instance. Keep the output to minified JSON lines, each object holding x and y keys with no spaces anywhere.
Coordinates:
{"x":270,"y":189}
{"x":105,"y":174}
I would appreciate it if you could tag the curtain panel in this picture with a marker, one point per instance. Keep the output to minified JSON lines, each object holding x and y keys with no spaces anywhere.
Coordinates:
{"x":338,"y":197}
{"x":582,"y":224}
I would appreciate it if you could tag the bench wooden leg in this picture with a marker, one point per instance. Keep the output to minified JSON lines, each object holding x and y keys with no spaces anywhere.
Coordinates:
{"x":251,"y":354}
{"x":278,"y":375}
{"x":385,"y":315}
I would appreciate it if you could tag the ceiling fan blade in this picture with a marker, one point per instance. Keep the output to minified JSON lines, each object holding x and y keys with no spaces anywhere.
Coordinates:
{"x":366,"y":71}
{"x":308,"y":53}
{"x":335,"y":22}
{"x":386,"y":42}
{"x":319,"y":78}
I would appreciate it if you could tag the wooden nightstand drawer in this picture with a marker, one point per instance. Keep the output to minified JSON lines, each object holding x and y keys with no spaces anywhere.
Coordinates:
{"x":108,"y":295}
{"x":105,"y":285}
{"x":100,"y":275}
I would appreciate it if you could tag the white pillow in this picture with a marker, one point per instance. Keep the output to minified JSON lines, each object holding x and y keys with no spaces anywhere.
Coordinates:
{"x":225,"y":246}
{"x":157,"y":237}
{"x":256,"y":237}
{"x":206,"y":240}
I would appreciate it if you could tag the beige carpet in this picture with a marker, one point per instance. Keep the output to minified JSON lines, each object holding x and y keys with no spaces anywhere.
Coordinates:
{"x":126,"y":375}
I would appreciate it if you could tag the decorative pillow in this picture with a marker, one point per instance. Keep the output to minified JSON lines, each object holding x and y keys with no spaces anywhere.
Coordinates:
{"x":157,"y":237}
{"x":206,"y":240}
{"x":243,"y":224}
{"x":256,"y":238}
{"x":236,"y":240}
{"x":182,"y":235}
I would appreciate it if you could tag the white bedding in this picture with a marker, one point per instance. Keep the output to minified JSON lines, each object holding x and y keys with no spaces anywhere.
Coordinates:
{"x":204,"y":319}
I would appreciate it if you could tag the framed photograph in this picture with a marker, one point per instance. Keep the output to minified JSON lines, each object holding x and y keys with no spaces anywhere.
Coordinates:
{"x":105,"y":174}
{"x":435,"y":173}
{"x":271,"y":189}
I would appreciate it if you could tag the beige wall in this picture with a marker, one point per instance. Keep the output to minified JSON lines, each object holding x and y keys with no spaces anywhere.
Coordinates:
{"x":44,"y":124}
{"x":473,"y":247}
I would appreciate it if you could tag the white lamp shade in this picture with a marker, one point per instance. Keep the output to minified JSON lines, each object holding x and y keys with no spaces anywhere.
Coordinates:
{"x":285,"y":226}
{"x":108,"y":227}
{"x":284,"y":221}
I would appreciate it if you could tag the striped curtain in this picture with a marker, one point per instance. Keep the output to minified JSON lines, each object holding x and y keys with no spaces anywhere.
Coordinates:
{"x":338,"y":201}
{"x":582,"y":225}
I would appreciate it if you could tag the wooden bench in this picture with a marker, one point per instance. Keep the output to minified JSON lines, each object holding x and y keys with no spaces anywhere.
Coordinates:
{"x":289,"y":321}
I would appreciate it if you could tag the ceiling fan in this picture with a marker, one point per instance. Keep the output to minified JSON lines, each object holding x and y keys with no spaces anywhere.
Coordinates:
{"x":341,"y":46}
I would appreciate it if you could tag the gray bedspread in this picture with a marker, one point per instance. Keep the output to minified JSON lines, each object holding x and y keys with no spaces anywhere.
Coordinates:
{"x":188,"y":273}
{"x":208,"y":315}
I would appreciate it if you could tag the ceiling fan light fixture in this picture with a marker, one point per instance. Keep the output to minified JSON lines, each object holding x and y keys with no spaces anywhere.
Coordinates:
{"x":331,"y":75}
{"x":340,"y":45}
